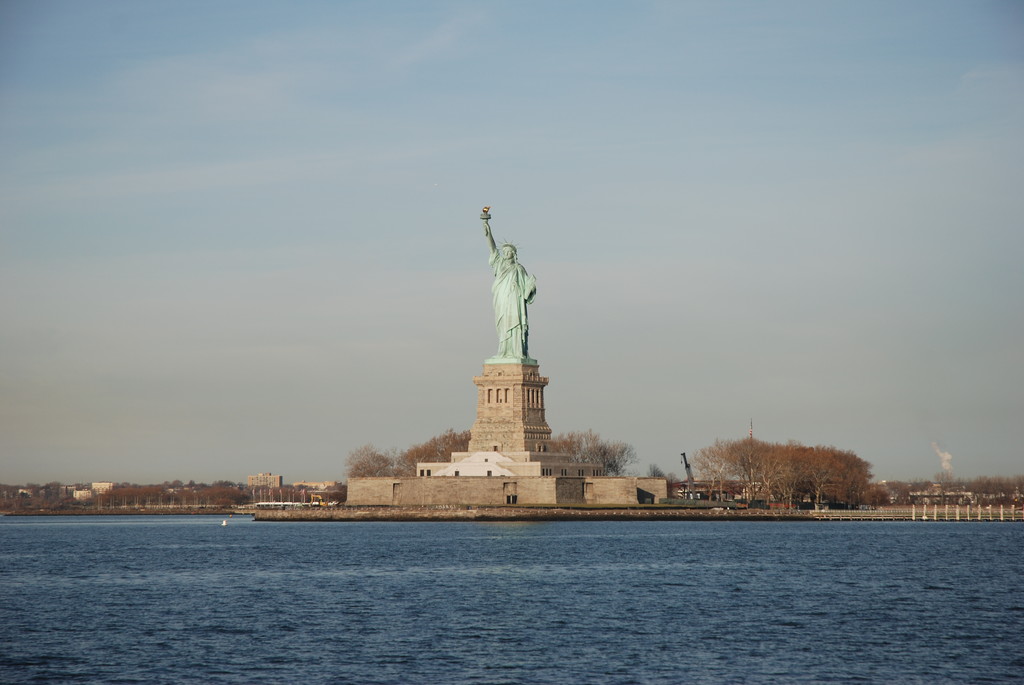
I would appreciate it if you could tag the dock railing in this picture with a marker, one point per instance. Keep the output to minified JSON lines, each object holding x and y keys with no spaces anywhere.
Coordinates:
{"x":934,"y":512}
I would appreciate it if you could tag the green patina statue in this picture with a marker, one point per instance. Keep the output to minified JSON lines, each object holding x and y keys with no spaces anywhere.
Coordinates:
{"x":512,"y":290}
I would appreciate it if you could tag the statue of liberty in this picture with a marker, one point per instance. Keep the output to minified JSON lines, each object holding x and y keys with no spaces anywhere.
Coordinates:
{"x":512,"y":290}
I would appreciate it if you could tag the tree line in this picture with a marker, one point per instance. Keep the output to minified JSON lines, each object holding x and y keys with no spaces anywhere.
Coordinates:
{"x":55,"y":496}
{"x":580,"y":447}
{"x":947,"y":489}
{"x":788,"y":473}
{"x":225,"y":495}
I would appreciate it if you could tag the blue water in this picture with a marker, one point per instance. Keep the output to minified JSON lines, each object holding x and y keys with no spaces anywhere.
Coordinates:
{"x":186,"y":600}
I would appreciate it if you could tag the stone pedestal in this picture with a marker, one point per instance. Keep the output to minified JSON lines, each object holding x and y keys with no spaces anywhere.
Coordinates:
{"x":510,"y":410}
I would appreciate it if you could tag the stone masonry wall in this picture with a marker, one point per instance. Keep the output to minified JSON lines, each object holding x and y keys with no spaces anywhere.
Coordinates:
{"x":510,"y":410}
{"x":618,"y":490}
{"x":495,"y":491}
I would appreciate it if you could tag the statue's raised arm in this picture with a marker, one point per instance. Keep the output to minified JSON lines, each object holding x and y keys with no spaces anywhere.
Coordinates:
{"x":512,"y":290}
{"x":486,"y":216}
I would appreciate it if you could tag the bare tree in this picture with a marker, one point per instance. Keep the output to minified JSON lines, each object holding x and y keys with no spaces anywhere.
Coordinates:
{"x":898,"y":491}
{"x":819,"y":469}
{"x":792,"y":472}
{"x":588,"y":447}
{"x":751,"y":463}
{"x":713,"y":464}
{"x":368,"y":461}
{"x":853,"y":477}
{"x":774,"y":471}
{"x":438,"y":449}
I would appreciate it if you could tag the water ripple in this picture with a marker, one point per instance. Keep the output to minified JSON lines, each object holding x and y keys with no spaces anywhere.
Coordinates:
{"x":179,"y":601}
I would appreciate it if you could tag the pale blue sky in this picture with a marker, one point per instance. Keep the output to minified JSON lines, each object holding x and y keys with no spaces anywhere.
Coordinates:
{"x":244,"y":236}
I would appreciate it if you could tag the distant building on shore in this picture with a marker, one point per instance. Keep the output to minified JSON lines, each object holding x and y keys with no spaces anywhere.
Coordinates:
{"x":100,"y":487}
{"x":316,"y":484}
{"x":264,"y":480}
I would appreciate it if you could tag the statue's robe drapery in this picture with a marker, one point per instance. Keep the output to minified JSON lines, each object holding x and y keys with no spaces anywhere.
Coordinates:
{"x":513,"y":289}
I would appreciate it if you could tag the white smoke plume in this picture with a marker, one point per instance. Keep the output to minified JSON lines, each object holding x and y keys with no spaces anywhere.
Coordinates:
{"x":946,"y":457}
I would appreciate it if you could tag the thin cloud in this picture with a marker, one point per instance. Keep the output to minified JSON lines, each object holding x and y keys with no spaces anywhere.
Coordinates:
{"x":441,"y":42}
